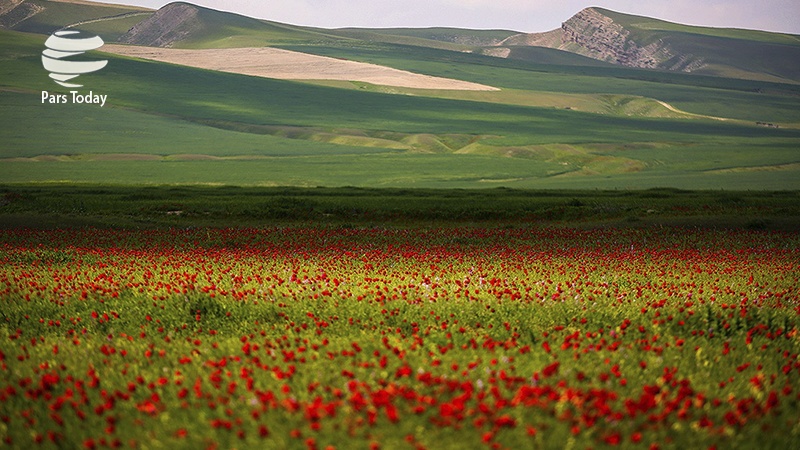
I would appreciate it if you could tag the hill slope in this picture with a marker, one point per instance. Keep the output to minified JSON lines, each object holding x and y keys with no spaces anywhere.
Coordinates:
{"x":642,"y":42}
{"x":45,"y":17}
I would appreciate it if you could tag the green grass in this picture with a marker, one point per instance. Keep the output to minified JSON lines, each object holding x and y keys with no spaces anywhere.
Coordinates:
{"x":644,"y":24}
{"x":410,"y":171}
{"x":732,"y":98}
{"x":77,"y":205}
{"x":335,"y":170}
{"x":451,"y":39}
{"x":611,"y":104}
{"x":218,"y":29}
{"x":444,"y":34}
{"x":740,"y":58}
{"x":89,"y":130}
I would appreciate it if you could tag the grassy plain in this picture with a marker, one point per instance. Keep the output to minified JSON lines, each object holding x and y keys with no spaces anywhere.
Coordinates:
{"x":70,"y":205}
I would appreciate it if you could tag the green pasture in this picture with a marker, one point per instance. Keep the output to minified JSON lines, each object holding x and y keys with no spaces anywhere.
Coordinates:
{"x":135,"y":206}
{"x":78,"y":131}
{"x":714,"y":96}
{"x":388,"y":170}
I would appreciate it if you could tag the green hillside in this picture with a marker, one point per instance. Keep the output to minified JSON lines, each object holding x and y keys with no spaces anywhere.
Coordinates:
{"x":644,"y":28}
{"x":643,"y":42}
{"x":172,"y":124}
{"x":45,"y":17}
{"x":749,"y":100}
{"x":457,"y":39}
{"x":445,"y":34}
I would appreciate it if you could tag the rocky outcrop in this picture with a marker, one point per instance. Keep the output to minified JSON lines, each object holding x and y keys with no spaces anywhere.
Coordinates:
{"x":170,"y":24}
{"x":593,"y":34}
{"x":602,"y":39}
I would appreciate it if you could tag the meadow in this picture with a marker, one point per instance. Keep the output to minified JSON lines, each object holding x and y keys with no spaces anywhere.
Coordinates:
{"x":424,"y":337}
{"x":590,"y":257}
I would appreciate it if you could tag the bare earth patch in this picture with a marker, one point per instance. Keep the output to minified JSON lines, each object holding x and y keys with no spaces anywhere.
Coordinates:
{"x":289,"y":65}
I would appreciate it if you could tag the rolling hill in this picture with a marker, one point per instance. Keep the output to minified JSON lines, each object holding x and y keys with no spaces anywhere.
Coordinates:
{"x":596,"y":33}
{"x":185,"y":25}
{"x":558,"y":119}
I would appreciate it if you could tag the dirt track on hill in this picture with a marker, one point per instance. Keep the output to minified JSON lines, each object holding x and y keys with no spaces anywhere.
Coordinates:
{"x":289,"y":65}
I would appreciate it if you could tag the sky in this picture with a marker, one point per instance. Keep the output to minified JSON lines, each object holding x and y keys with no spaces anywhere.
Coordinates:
{"x":519,"y":15}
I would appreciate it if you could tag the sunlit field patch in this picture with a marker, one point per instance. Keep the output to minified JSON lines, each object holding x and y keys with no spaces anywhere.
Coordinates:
{"x":399,"y":338}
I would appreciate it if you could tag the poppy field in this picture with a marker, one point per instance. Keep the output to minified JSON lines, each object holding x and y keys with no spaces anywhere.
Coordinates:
{"x":472,"y":337}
